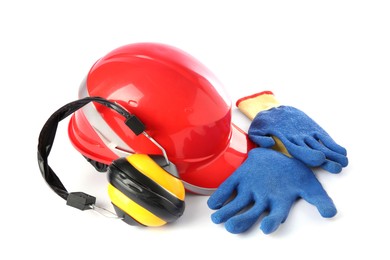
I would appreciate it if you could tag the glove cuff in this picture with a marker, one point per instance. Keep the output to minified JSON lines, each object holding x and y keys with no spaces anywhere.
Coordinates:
{"x":251,"y":105}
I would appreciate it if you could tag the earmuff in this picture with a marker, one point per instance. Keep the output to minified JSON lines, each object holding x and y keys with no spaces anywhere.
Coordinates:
{"x":144,"y":189}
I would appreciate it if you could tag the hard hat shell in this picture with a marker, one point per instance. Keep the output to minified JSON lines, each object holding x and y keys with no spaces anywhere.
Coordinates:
{"x":181,"y":103}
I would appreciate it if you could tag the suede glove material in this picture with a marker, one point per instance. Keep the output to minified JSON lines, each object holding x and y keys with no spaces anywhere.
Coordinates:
{"x":267,"y":181}
{"x":303,"y":138}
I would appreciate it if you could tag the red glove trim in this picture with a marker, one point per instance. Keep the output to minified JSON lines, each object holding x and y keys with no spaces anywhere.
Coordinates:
{"x":267,"y":92}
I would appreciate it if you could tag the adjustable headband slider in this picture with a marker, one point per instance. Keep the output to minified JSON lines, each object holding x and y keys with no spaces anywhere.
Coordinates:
{"x":135,"y":124}
{"x":80,"y":200}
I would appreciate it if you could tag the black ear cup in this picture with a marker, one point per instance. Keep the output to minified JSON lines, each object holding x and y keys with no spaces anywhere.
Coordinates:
{"x":143,"y":193}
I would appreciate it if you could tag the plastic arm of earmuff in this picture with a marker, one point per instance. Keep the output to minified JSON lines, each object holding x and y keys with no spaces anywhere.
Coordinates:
{"x":80,"y":200}
{"x":135,"y":124}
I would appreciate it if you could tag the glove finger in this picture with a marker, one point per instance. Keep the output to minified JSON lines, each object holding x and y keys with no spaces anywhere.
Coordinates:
{"x":244,"y":221}
{"x":240,"y":202}
{"x":223,"y":193}
{"x":314,"y":193}
{"x":331,"y":166}
{"x":278,"y":214}
{"x":262,"y":141}
{"x":331,"y":144}
{"x":329,"y":153}
{"x":299,"y":150}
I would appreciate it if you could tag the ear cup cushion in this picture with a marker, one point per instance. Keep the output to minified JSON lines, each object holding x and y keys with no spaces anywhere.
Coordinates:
{"x":143,"y":191}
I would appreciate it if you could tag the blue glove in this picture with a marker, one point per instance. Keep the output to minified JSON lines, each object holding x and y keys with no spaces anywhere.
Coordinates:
{"x":303,"y":138}
{"x":266,"y":181}
{"x":292,"y":132}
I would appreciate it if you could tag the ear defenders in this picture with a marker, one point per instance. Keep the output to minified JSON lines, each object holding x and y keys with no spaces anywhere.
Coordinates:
{"x":144,"y":189}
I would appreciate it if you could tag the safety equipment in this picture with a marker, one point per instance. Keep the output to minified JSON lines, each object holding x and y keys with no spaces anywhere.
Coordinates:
{"x":267,"y":181}
{"x":144,"y":189}
{"x":292,"y":131}
{"x":180,"y":101}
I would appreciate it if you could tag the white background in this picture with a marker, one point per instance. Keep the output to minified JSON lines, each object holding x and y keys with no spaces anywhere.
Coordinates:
{"x":330,"y":59}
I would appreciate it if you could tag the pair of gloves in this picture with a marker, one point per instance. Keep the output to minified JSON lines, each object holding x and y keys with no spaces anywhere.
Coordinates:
{"x":278,"y":171}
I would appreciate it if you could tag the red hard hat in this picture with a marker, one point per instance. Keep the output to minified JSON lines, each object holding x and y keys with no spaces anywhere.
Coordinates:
{"x":181,"y":103}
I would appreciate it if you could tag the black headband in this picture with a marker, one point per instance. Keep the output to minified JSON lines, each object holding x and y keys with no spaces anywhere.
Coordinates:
{"x":48,"y":132}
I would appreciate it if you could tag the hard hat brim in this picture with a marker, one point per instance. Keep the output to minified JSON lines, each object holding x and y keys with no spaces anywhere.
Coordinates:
{"x":204,"y":180}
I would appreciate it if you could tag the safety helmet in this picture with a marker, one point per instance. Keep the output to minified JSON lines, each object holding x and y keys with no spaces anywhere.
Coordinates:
{"x":180,"y":101}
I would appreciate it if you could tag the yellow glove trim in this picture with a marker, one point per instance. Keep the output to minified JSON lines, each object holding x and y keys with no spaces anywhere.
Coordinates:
{"x":279,"y":146}
{"x":250,"y":106}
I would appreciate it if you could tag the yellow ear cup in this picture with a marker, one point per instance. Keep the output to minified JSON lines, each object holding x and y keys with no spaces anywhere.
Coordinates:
{"x":142,"y":192}
{"x":140,"y":214}
{"x":146,"y":165}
